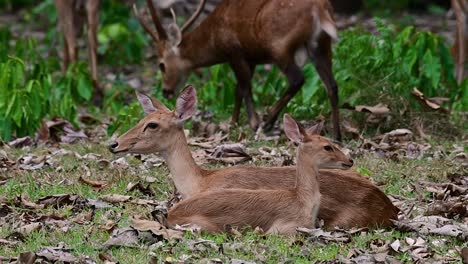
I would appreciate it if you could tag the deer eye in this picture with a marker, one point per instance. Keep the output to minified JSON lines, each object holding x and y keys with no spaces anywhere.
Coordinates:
{"x":162,"y":67}
{"x":152,"y":125}
{"x":328,"y":148}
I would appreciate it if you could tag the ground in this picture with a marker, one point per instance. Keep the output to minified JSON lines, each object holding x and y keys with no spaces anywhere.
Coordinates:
{"x":35,"y":172}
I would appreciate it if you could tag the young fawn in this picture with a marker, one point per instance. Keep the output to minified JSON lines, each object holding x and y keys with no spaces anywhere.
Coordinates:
{"x":275,"y":211}
{"x":348,"y":199}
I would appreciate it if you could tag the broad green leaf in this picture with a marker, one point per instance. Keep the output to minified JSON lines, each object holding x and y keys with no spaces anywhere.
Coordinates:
{"x":431,"y":68}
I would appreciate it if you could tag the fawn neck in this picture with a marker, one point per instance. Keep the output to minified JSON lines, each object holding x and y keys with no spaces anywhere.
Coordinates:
{"x":184,"y":171}
{"x":307,"y":185}
{"x":199,"y":46}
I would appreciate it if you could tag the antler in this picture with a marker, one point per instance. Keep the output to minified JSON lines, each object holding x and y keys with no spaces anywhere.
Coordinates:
{"x":160,"y":33}
{"x":194,"y":16}
{"x":159,"y":28}
{"x":148,"y":30}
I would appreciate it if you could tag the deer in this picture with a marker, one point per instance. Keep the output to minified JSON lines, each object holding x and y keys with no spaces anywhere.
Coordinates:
{"x":348,"y":199}
{"x":72,"y":14}
{"x":246,"y":33}
{"x":278,"y":211}
{"x":460,"y":47}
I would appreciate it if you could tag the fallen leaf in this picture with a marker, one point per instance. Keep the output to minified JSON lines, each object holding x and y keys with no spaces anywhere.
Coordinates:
{"x":71,"y":135}
{"x":84,"y":217}
{"x":57,"y":254}
{"x":29,"y":204}
{"x":27,"y":258}
{"x":97,"y":185}
{"x":127,"y":237}
{"x":115,"y":198}
{"x":29,"y":228}
{"x":120,"y":163}
{"x":21,"y":142}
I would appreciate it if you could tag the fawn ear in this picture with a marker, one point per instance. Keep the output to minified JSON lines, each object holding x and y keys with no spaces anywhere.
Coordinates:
{"x":186,"y":104}
{"x":315,"y":129}
{"x":292,"y":129}
{"x":150,"y":104}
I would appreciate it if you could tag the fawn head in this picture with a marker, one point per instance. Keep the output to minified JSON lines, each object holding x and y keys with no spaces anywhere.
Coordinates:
{"x":325,"y":154}
{"x":159,"y":130}
{"x":173,"y":67}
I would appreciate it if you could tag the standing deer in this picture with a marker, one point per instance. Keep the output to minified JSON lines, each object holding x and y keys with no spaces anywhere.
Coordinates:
{"x":460,"y":48}
{"x":72,"y":14}
{"x":245,"y":33}
{"x":274,"y":211}
{"x":348,"y":199}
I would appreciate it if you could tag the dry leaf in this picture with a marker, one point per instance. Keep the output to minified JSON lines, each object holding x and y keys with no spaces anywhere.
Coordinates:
{"x":127,"y":237}
{"x":57,"y":254}
{"x":27,"y":229}
{"x":26,"y":202}
{"x":115,"y":198}
{"x":97,"y":185}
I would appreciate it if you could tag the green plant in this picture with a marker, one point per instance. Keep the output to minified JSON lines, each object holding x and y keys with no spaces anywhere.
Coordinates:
{"x":23,"y":91}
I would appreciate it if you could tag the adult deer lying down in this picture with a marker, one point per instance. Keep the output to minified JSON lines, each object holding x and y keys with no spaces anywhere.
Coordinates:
{"x":347,"y":198}
{"x":245,"y":33}
{"x":275,"y":211}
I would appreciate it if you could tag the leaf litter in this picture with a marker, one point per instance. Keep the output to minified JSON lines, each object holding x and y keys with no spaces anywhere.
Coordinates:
{"x":443,"y":213}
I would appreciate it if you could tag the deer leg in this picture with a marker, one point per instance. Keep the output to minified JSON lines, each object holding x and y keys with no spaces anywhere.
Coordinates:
{"x":296,"y":80}
{"x":322,"y":60}
{"x":237,"y":105}
{"x":244,"y":72}
{"x":92,"y":8}
{"x":66,"y":22}
{"x":459,"y":49}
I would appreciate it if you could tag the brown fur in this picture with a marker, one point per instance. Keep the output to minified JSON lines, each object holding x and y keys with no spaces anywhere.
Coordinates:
{"x":72,"y":14}
{"x":275,"y":211}
{"x":460,"y":47}
{"x":245,"y":33}
{"x":348,"y":199}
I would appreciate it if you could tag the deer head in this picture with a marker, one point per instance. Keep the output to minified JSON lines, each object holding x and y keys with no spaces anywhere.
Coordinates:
{"x":321,"y":150}
{"x":173,"y":67}
{"x":161,"y":127}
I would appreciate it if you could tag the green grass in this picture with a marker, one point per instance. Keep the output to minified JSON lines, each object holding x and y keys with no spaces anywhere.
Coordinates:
{"x":87,"y":239}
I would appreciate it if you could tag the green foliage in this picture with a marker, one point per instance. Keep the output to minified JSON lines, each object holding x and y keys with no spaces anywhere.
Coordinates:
{"x":127,"y":117}
{"x":121,"y":38}
{"x":384,"y":68}
{"x":28,"y":91}
{"x":23,"y":91}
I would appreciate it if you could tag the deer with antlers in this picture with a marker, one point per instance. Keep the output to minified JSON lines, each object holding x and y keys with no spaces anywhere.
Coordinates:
{"x":347,"y":198}
{"x":246,"y":33}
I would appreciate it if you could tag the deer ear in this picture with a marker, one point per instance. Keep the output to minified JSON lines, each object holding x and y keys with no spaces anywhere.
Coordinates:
{"x":292,"y":129}
{"x":149,"y":104}
{"x":174,"y":35}
{"x":186,"y":104}
{"x":315,"y":129}
{"x":146,"y":103}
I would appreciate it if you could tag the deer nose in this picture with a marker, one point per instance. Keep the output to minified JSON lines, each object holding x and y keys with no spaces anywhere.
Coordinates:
{"x":113,"y":146}
{"x":351,"y":161}
{"x":168,"y":94}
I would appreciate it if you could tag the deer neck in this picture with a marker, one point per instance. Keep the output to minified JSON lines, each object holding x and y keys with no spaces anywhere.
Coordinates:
{"x":198,"y":47}
{"x":185,"y":173}
{"x":307,"y":185}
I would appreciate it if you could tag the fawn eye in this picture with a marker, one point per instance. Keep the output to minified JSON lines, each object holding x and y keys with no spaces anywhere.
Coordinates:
{"x":152,"y":125}
{"x":162,"y":67}
{"x":328,"y":148}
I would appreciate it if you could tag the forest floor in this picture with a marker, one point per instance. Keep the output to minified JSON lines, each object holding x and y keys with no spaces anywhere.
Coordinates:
{"x":77,"y":201}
